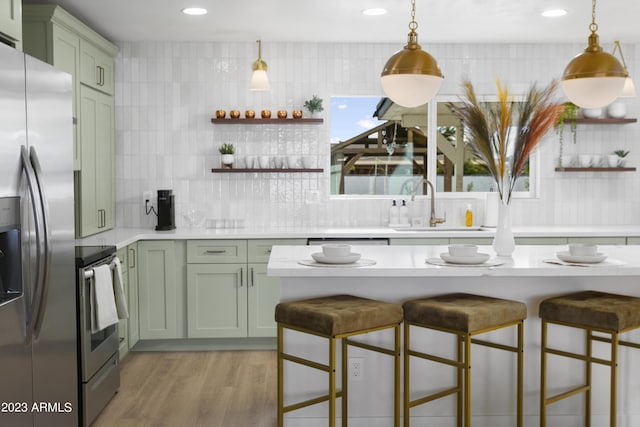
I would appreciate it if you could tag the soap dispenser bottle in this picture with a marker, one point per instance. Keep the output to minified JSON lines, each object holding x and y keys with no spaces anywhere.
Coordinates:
{"x":404,"y":213}
{"x":394,"y":214}
{"x":468,"y":216}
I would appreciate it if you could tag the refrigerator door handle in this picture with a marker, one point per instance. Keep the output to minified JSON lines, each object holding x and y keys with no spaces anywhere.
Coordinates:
{"x":48,"y":251}
{"x":27,"y":167}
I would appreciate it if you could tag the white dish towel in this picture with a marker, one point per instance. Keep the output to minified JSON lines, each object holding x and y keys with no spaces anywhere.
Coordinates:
{"x":103,"y":304}
{"x":118,"y":291}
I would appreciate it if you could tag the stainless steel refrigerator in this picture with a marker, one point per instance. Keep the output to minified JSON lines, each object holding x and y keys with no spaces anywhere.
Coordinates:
{"x":38,"y":353}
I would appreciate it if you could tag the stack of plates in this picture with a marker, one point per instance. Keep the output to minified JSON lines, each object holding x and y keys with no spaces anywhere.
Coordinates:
{"x":478,"y":258}
{"x":323,"y":259}
{"x":583,"y":259}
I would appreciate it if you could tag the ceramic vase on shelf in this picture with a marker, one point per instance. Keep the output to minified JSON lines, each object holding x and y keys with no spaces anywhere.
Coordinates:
{"x":227,"y":161}
{"x":504,"y":243}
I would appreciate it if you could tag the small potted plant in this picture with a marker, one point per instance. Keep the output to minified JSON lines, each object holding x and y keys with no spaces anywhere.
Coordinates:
{"x":314,"y":105}
{"x":227,"y":151}
{"x":621,"y":155}
{"x":569,"y":114}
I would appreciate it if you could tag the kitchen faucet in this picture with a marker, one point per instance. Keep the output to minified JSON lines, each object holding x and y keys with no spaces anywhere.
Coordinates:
{"x":433,"y":220}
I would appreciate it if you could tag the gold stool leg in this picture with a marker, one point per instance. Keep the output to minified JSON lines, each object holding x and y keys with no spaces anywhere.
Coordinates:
{"x":467,"y":380}
{"x":407,"y":385}
{"x":614,"y":378}
{"x":520,"y":398}
{"x":396,"y":377}
{"x":588,"y":377}
{"x":332,"y":382}
{"x":345,"y":383}
{"x":460,"y":382}
{"x":280,"y":378}
{"x":543,"y":374}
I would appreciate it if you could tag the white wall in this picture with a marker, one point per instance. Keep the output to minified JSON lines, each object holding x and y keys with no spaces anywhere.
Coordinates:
{"x":168,"y":92}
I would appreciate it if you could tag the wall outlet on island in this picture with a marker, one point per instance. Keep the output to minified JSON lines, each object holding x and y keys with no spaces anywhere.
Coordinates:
{"x":356,"y":368}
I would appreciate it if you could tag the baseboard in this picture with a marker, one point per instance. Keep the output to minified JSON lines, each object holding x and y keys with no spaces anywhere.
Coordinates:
{"x":206,"y":344}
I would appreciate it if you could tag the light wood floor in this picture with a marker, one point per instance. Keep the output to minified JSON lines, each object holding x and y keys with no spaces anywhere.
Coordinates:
{"x":203,"y":389}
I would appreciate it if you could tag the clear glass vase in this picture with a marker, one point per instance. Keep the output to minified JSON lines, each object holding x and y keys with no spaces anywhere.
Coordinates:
{"x":504,"y":243}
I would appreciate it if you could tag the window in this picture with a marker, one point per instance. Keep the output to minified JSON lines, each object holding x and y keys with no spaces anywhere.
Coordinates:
{"x":379,"y":148}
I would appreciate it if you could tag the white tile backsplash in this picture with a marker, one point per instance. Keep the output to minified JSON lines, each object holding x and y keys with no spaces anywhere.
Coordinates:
{"x":166,"y":94}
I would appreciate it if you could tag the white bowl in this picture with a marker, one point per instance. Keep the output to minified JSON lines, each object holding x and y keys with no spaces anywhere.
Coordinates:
{"x":335,"y":250}
{"x":591,"y":113}
{"x":461,"y":250}
{"x":582,"y":249}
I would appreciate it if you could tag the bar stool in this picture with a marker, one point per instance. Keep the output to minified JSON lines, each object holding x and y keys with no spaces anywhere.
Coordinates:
{"x":337,"y":317}
{"x":464,"y":315}
{"x":591,"y":311}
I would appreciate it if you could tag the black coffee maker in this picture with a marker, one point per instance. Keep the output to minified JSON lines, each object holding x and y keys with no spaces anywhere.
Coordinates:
{"x":166,"y":210}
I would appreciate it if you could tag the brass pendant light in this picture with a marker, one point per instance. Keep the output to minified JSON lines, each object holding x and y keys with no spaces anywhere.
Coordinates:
{"x":411,"y":77}
{"x":593,"y":78}
{"x":259,"y":78}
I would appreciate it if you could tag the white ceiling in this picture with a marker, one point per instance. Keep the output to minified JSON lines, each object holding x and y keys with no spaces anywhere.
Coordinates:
{"x":439,"y":21}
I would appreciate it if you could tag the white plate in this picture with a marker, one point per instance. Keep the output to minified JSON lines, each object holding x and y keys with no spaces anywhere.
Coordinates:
{"x":587,"y":259}
{"x":320,"y":257}
{"x":476,"y":259}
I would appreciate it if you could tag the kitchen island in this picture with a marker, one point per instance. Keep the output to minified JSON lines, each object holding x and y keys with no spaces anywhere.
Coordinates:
{"x":402,"y":272}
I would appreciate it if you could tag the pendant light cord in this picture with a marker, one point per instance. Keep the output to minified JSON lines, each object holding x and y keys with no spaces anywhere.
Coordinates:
{"x":593,"y":27}
{"x":413,"y":25}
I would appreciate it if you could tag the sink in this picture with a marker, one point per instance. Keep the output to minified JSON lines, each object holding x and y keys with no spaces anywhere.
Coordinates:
{"x":441,"y":228}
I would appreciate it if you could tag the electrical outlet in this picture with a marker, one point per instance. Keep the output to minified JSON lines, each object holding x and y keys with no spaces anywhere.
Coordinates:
{"x":356,"y":368}
{"x":146,"y":196}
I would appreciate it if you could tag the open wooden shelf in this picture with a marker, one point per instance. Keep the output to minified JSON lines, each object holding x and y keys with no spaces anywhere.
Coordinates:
{"x":603,"y":121}
{"x":260,"y":121}
{"x":270,"y":170}
{"x":595,"y":169}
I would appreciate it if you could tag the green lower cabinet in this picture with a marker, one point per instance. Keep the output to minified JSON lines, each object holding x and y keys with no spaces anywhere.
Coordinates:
{"x":264,"y":295}
{"x":605,"y":240}
{"x":541,"y":240}
{"x":159,"y":289}
{"x":216,"y":300}
{"x":633,"y":240}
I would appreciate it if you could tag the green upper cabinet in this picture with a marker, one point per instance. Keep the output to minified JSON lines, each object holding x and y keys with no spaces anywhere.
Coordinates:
{"x":96,"y":68}
{"x":11,"y":22}
{"x":54,"y":36}
{"x":95,"y":190}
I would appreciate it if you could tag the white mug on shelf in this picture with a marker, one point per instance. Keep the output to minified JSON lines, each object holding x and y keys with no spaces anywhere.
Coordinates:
{"x":292,"y":162}
{"x":308,"y":162}
{"x":264,"y":162}
{"x":585,"y":160}
{"x":596,"y":160}
{"x":278,"y":162}
{"x":613,"y":160}
{"x":249,"y":161}
{"x":567,"y":160}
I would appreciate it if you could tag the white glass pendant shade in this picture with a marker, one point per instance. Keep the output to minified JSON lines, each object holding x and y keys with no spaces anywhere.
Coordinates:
{"x":411,"y":90}
{"x":259,"y":80}
{"x":593,"y":92}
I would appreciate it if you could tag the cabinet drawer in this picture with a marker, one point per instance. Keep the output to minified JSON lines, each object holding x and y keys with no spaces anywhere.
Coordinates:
{"x":216,"y":251}
{"x":260,"y":250}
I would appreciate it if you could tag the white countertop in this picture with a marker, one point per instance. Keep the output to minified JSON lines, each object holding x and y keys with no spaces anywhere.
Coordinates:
{"x":410,"y":261}
{"x":122,"y":237}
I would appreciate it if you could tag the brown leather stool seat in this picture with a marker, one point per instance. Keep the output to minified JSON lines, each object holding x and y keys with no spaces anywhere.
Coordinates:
{"x":464,"y":315}
{"x":591,"y":311}
{"x":337,"y":317}
{"x":338,"y":314}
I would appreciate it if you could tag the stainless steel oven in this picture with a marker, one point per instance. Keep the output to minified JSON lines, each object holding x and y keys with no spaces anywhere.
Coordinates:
{"x":98,"y":352}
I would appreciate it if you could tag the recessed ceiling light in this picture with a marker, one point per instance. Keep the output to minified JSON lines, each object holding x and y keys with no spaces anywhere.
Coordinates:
{"x":553,"y":13}
{"x":374,"y":11}
{"x":194,"y":11}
